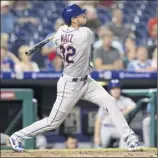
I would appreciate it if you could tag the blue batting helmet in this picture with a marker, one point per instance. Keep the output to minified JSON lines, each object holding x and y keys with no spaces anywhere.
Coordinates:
{"x":70,"y":12}
{"x":114,"y":84}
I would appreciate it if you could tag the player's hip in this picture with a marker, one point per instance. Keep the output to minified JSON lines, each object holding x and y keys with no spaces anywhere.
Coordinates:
{"x":71,"y":84}
{"x":75,"y":85}
{"x":74,"y":79}
{"x":76,"y":71}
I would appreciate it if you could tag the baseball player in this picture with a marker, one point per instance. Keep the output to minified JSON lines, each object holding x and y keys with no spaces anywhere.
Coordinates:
{"x":73,"y":43}
{"x":104,"y":127}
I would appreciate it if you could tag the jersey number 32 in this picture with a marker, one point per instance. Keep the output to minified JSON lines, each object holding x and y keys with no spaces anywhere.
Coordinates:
{"x":67,"y":53}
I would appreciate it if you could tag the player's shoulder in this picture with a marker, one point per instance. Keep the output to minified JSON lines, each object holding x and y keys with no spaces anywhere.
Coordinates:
{"x":88,"y":33}
{"x":67,"y":29}
{"x":61,"y":28}
{"x":59,"y":32}
{"x":86,"y":29}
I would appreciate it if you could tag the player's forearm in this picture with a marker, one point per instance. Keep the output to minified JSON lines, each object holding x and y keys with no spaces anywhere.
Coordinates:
{"x":105,"y":67}
{"x":28,"y":19}
{"x":13,"y":57}
{"x":128,"y":110}
{"x":23,"y":20}
{"x":100,"y":66}
{"x":115,"y":66}
{"x":118,"y":65}
{"x":146,"y":70}
{"x":46,"y":51}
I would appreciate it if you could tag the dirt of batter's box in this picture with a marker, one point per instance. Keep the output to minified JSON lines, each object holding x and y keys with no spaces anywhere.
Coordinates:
{"x":80,"y":153}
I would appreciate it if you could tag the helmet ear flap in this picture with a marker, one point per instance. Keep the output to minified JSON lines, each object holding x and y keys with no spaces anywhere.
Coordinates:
{"x":69,"y":24}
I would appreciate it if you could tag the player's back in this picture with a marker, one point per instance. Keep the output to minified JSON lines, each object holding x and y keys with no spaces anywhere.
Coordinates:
{"x":74,"y":46}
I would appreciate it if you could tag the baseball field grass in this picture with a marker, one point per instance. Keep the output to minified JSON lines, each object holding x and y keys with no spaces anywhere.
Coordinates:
{"x":110,"y":152}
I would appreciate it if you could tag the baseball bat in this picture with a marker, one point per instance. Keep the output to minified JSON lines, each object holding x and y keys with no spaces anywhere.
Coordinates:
{"x":38,"y":46}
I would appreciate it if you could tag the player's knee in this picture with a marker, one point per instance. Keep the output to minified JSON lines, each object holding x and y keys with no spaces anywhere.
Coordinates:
{"x":54,"y":123}
{"x":110,"y":101}
{"x":51,"y":126}
{"x":105,"y":97}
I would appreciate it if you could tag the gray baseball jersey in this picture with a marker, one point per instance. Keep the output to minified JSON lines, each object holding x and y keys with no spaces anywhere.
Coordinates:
{"x":74,"y":47}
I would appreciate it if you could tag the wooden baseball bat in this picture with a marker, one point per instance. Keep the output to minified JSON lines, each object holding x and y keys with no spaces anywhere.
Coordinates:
{"x":38,"y":46}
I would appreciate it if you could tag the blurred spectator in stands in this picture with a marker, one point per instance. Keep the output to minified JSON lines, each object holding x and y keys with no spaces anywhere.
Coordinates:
{"x":71,"y":142}
{"x":142,"y":63}
{"x":51,"y":60}
{"x":106,"y":3}
{"x":130,"y":49}
{"x":4,"y":39}
{"x":107,"y":57}
{"x":8,"y":19}
{"x":152,"y":31}
{"x":154,"y":60}
{"x":8,"y":59}
{"x":115,"y":43}
{"x":21,"y":5}
{"x":50,"y":47}
{"x":53,"y":63}
{"x":105,"y":130}
{"x":82,"y":3}
{"x":120,"y":30}
{"x":41,"y":142}
{"x":25,"y":64}
{"x":93,"y":21}
{"x":5,"y":140}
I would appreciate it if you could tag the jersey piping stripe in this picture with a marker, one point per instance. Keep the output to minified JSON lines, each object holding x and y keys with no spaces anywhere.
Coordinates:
{"x":60,"y":104}
{"x":69,"y":31}
{"x":54,"y":116}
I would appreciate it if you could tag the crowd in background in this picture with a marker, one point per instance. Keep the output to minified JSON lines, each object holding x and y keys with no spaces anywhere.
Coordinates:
{"x":116,"y":46}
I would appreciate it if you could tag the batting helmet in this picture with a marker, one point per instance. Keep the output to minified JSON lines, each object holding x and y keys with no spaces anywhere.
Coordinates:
{"x":70,"y":12}
{"x":114,"y":84}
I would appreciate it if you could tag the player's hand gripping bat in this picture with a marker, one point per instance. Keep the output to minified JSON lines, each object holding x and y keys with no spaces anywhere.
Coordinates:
{"x":38,"y":46}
